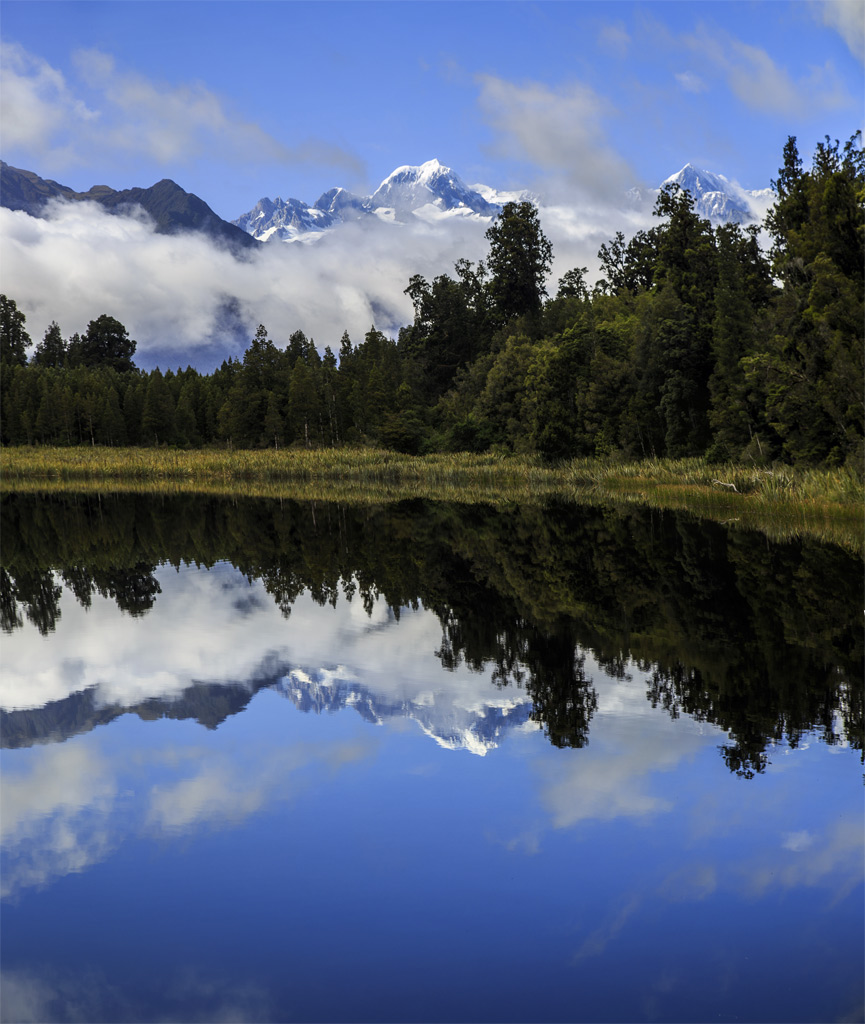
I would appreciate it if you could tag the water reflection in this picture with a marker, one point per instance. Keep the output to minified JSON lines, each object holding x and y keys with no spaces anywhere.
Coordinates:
{"x":759,"y":639}
{"x":242,"y":758}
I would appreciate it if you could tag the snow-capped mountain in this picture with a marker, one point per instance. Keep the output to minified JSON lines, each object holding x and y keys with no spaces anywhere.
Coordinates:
{"x":716,"y":198}
{"x":476,"y":726}
{"x":430,"y":192}
{"x":411,"y":189}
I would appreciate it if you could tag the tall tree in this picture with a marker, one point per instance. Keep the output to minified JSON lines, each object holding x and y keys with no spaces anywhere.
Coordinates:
{"x":14,"y":340}
{"x":519,"y":261}
{"x":51,"y":351}
{"x":812,"y":373}
{"x":107,"y":343}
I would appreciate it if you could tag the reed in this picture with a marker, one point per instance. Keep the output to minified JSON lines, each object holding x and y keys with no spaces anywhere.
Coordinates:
{"x":783,"y":501}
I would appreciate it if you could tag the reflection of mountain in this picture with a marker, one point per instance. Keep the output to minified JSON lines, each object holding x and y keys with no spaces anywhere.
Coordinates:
{"x":477,"y":728}
{"x":208,"y":703}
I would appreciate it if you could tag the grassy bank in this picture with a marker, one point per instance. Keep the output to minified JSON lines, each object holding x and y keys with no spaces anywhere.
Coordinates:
{"x":782,"y":501}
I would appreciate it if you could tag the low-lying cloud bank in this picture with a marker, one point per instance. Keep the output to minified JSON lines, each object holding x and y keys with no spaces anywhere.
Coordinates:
{"x":186,"y":300}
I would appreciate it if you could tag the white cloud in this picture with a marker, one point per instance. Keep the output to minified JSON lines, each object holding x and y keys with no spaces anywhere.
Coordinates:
{"x":847,"y":17}
{"x":170,"y":290}
{"x":760,"y":83}
{"x":560,"y":131}
{"x":690,"y":82}
{"x":797,"y":841}
{"x":172,"y":124}
{"x":37,"y":106}
{"x":614,"y":38}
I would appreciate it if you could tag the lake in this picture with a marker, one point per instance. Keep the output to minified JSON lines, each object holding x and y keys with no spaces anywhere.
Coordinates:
{"x":277,"y":761}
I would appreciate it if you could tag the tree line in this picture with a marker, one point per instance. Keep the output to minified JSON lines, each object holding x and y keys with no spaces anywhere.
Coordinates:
{"x":695,"y":341}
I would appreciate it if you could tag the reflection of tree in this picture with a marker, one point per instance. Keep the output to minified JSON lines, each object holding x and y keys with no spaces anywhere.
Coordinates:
{"x":758,"y":639}
{"x":134,"y":590}
{"x":37,"y":593}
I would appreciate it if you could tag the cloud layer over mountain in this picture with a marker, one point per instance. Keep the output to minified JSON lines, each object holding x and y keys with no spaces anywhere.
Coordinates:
{"x":185,"y":299}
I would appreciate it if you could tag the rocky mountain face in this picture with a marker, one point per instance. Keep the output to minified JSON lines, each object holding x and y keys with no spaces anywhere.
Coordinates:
{"x":716,"y":198}
{"x":430,"y":192}
{"x":477,"y":728}
{"x":172,"y":209}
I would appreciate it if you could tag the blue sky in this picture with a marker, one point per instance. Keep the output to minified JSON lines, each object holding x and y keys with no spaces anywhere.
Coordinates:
{"x":235,"y":101}
{"x":239,"y":100}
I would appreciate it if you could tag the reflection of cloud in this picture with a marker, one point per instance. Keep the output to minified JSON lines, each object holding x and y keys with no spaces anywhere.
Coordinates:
{"x":54,"y":819}
{"x":220,"y":794}
{"x":193,"y":633}
{"x":603,"y":783}
{"x":691,"y":882}
{"x":835,"y":858}
{"x":171,"y":124}
{"x":28,"y":996}
{"x":797,"y":841}
{"x":63,"y":816}
{"x":601,"y":937}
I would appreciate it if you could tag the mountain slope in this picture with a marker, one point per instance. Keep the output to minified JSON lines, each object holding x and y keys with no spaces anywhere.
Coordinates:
{"x":172,"y":209}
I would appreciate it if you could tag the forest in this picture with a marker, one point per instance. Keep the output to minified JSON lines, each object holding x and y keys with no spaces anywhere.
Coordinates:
{"x":696,"y":341}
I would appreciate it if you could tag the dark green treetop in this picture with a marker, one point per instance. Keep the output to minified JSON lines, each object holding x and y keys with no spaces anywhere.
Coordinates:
{"x":519,"y":261}
{"x":14,"y":340}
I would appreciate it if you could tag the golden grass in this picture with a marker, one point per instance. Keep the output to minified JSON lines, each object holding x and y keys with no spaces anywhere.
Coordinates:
{"x":782,"y":501}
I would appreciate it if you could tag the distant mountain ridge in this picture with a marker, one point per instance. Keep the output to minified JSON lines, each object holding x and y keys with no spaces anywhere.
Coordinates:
{"x":172,"y":208}
{"x":478,"y":728}
{"x":429,"y":192}
{"x":716,"y":198}
{"x":432,"y":192}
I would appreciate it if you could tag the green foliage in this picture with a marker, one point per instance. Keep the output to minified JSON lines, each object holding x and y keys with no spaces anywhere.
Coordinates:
{"x":105,"y":343}
{"x":519,"y":261}
{"x":14,"y":340}
{"x":51,"y":351}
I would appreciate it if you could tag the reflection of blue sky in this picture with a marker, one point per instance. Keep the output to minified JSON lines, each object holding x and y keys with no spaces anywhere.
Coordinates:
{"x":287,"y":845}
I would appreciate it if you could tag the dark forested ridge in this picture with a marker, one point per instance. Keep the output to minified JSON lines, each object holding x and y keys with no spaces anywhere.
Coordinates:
{"x":694,"y":342}
{"x":761,"y":640}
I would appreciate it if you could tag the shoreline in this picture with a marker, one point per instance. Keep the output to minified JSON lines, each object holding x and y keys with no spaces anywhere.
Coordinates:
{"x":782,"y":501}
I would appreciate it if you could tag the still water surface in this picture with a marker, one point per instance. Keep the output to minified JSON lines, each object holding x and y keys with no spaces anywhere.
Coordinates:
{"x":268,"y":761}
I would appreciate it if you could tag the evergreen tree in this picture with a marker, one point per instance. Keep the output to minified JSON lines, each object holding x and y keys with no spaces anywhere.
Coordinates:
{"x":107,"y":343}
{"x":157,"y":416}
{"x":14,"y":340}
{"x":51,"y":351}
{"x":519,"y":260}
